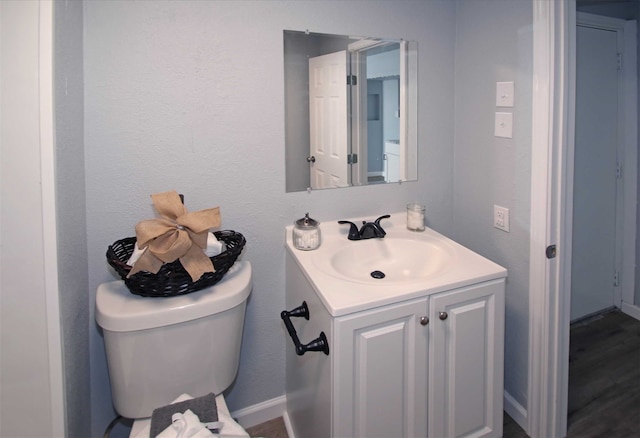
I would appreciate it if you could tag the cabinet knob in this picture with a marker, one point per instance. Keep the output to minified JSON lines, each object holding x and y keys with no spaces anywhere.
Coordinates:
{"x":443,"y":315}
{"x":424,"y":320}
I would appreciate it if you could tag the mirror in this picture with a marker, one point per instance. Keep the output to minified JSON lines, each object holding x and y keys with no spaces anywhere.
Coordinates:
{"x":350,"y":110}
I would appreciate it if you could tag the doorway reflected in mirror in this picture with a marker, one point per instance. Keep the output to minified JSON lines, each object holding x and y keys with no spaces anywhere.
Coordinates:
{"x":350,"y":110}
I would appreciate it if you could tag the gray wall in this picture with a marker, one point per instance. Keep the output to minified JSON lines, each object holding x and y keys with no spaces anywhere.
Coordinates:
{"x":189,"y":96}
{"x":494,"y":44}
{"x":72,"y":227}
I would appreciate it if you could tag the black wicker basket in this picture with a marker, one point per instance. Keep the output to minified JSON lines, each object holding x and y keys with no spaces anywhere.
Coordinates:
{"x":172,"y":279}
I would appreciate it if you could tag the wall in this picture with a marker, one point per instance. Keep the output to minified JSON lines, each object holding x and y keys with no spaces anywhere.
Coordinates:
{"x":72,"y":227}
{"x":189,"y":96}
{"x":493,"y":44}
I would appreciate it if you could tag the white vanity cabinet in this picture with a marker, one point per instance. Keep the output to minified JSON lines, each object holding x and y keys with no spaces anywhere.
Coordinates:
{"x":430,"y":366}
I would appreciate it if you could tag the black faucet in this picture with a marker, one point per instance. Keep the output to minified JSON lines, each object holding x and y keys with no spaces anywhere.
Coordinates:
{"x":369,"y":230}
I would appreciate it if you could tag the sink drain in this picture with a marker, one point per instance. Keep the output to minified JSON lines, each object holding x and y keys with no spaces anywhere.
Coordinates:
{"x":377,"y":275}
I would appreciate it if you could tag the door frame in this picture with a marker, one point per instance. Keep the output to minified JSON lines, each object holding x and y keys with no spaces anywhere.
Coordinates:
{"x":551,"y":216}
{"x":553,"y":133}
{"x":408,"y":117}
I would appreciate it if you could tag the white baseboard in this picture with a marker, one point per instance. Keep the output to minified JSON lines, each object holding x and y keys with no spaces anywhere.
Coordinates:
{"x":631,"y":310}
{"x":276,"y":407}
{"x":261,"y":412}
{"x":515,"y":411}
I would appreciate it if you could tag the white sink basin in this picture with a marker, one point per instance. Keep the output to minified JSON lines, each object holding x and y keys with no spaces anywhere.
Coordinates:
{"x":414,"y":264}
{"x":387,"y":260}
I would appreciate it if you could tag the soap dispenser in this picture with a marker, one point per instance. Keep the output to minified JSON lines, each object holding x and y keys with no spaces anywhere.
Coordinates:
{"x":306,"y":233}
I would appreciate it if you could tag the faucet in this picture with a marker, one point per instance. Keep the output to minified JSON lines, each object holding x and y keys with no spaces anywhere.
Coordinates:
{"x":369,"y":230}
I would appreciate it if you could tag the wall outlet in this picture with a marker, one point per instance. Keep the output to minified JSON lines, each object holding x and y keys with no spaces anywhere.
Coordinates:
{"x":501,"y":218}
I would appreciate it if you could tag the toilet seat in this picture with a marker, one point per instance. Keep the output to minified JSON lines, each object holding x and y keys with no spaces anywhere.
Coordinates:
{"x":230,"y":428}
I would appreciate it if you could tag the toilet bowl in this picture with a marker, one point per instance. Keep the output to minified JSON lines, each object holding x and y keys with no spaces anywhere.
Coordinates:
{"x":160,"y":348}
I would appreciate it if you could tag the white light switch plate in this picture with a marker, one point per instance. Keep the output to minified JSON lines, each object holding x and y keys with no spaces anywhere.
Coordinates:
{"x":504,"y":94}
{"x":504,"y":125}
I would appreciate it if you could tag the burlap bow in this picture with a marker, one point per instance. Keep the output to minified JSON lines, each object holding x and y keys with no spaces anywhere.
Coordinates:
{"x":176,"y":235}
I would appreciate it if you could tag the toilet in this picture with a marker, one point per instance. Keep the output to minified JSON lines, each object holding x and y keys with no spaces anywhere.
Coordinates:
{"x":161,"y":348}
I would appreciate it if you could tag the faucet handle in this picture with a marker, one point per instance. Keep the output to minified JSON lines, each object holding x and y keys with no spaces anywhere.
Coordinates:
{"x":386,"y":216}
{"x":353,"y":230}
{"x":377,"y":222}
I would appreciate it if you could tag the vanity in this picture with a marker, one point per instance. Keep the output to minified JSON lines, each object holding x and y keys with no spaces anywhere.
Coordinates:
{"x":405,"y":336}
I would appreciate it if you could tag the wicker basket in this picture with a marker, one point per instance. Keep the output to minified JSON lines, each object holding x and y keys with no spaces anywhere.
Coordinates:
{"x":172,"y":279}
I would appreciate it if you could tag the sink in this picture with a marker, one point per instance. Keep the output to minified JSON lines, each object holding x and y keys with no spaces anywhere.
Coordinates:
{"x":406,"y":265}
{"x":388,"y":260}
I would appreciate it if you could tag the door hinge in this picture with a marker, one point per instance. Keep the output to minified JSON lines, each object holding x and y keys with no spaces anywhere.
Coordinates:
{"x":352,"y":80}
{"x":616,"y":278}
{"x":618,"y":170}
{"x":619,"y":66}
{"x":352,"y":158}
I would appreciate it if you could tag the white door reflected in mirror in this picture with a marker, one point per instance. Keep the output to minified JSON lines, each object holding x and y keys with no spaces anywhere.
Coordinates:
{"x":329,"y":140}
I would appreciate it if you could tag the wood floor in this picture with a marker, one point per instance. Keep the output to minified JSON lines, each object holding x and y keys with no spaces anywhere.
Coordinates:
{"x":604,"y":377}
{"x":604,"y":382}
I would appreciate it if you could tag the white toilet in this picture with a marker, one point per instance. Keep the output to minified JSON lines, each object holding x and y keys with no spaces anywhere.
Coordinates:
{"x":160,"y":348}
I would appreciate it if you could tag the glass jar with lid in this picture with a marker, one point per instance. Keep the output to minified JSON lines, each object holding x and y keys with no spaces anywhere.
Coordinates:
{"x":306,"y":233}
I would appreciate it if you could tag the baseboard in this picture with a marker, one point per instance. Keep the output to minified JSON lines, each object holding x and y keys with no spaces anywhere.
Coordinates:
{"x":261,"y":412}
{"x":276,"y":407}
{"x":631,"y":310}
{"x":515,"y":411}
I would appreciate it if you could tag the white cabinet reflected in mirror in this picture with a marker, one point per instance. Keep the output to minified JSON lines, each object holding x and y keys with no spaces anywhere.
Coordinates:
{"x":350,"y":110}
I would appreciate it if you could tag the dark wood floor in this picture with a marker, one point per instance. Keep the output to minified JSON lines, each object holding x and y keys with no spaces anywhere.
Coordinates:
{"x":604,"y":382}
{"x":604,"y":377}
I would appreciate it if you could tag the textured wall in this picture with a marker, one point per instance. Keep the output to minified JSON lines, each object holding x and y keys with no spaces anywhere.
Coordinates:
{"x":494,"y":43}
{"x":188,"y":95}
{"x":72,"y":227}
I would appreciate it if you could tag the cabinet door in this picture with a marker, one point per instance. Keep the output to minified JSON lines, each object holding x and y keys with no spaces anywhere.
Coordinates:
{"x":379,"y":372}
{"x":466,"y":362}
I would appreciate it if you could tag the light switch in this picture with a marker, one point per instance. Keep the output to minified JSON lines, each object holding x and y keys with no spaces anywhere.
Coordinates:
{"x":504,"y":94}
{"x":504,"y":125}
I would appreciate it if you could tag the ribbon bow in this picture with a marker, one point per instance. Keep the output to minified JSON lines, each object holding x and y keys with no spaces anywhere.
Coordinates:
{"x":176,"y":235}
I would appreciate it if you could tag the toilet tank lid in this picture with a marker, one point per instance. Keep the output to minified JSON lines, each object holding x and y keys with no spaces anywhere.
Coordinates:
{"x":117,"y":309}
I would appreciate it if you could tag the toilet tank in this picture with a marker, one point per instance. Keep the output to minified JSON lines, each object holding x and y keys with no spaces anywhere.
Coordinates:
{"x":160,"y":348}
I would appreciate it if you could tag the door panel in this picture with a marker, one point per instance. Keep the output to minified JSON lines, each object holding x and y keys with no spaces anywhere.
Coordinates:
{"x":596,"y":149}
{"x":380,"y":377}
{"x":466,"y":362}
{"x":328,"y":120}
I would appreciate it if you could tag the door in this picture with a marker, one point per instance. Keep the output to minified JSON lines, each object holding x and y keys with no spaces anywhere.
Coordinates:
{"x":595,"y":173}
{"x":380,"y":372}
{"x":466,"y":362}
{"x":328,"y":120}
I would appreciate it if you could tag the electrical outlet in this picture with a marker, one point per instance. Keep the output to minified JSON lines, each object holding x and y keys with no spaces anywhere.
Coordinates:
{"x":501,"y":218}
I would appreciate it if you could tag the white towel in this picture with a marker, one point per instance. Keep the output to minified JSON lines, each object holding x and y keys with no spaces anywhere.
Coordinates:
{"x":226,"y":425}
{"x":186,"y":425}
{"x":214,"y":247}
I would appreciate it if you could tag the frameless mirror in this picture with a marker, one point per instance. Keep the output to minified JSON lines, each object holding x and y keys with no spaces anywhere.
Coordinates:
{"x":350,"y":110}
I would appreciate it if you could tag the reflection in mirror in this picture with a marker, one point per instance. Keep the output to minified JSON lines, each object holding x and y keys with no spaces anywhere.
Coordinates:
{"x":350,"y":110}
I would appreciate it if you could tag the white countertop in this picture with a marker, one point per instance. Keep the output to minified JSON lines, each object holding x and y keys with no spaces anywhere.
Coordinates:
{"x":343,"y":295}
